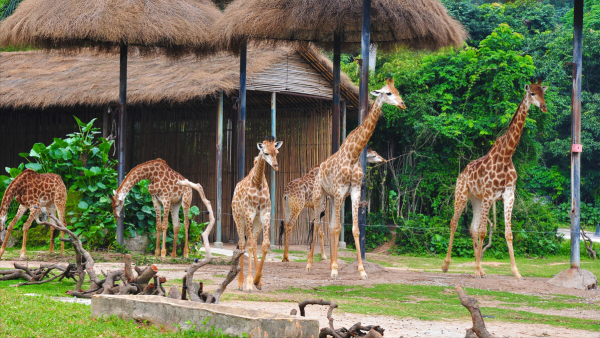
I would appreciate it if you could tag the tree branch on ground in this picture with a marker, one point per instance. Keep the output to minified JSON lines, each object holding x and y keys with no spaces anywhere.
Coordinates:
{"x":473,"y":306}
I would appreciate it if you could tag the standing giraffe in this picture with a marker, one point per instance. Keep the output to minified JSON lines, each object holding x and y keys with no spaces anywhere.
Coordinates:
{"x":341,"y":175}
{"x":165,"y":193}
{"x":298,"y":194}
{"x":490,"y":178}
{"x":251,"y":207}
{"x":32,"y":190}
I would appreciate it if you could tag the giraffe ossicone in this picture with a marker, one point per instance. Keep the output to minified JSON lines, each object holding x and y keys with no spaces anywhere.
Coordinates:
{"x":251,"y":208}
{"x":493,"y":177}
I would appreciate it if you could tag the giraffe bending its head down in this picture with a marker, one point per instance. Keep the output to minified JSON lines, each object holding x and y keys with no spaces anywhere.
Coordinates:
{"x":492,"y":177}
{"x":298,"y":194}
{"x":341,"y":175}
{"x":34,"y":191}
{"x":251,"y":207}
{"x":165,"y":193}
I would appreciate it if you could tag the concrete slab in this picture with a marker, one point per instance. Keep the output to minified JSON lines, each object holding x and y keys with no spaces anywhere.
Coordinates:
{"x":187,"y":314}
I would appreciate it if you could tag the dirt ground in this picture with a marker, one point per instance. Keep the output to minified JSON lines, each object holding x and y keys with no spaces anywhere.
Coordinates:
{"x":279,"y":275}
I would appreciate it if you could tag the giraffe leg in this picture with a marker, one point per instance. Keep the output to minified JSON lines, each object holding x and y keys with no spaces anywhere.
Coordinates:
{"x":509,"y":199}
{"x":165,"y":226}
{"x":157,"y":208}
{"x":248,"y":286}
{"x":240,"y":224}
{"x":460,"y":201}
{"x":292,"y":207}
{"x":176,"y":226}
{"x":187,"y":202}
{"x":319,"y":207}
{"x":265,"y":218}
{"x":478,"y":231}
{"x":321,"y":234}
{"x":355,"y":195}
{"x":32,"y":213}
{"x":18,"y":216}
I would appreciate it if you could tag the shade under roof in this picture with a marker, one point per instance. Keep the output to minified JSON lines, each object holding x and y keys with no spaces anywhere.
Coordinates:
{"x":418,"y":24}
{"x":172,"y":24}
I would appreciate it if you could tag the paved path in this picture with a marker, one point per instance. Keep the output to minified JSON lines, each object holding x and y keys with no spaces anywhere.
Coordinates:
{"x":590,"y":234}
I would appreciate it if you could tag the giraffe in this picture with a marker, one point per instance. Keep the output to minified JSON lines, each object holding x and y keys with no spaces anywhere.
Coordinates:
{"x":165,"y":193}
{"x":32,"y":190}
{"x":298,"y":195}
{"x":251,"y":207}
{"x":341,"y":175}
{"x":490,"y":178}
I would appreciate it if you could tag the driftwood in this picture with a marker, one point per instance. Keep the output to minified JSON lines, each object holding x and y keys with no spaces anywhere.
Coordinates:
{"x":478,"y":324}
{"x":39,"y":275}
{"x":588,"y":244}
{"x":357,"y":330}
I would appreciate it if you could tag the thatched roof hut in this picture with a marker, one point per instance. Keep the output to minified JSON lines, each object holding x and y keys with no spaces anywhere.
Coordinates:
{"x":41,"y":79}
{"x":419,"y":24}
{"x":65,"y":24}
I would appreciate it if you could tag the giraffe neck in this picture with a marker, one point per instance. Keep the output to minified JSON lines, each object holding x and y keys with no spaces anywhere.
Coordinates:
{"x":358,"y":139}
{"x":511,"y":139}
{"x":259,"y":171}
{"x":134,"y":177}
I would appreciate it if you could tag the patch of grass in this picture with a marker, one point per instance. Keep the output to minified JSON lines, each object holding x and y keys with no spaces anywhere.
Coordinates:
{"x":347,"y":259}
{"x":280,"y":251}
{"x":424,"y":302}
{"x":528,"y":267}
{"x":31,"y":316}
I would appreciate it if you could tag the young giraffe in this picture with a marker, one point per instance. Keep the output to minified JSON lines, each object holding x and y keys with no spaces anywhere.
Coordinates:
{"x":165,"y":193}
{"x":251,"y":207}
{"x":297,"y":196}
{"x":32,"y":190}
{"x":341,"y":175}
{"x":490,"y":178}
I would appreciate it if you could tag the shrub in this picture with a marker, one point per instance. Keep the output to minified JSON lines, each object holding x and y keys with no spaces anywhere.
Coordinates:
{"x":377,"y":231}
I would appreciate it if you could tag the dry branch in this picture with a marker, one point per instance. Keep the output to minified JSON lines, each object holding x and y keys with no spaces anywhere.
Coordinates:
{"x":211,"y":215}
{"x":128,"y":270}
{"x":471,"y":304}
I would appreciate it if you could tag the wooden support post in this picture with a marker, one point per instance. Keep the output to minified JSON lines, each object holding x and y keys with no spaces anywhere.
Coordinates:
{"x":273,"y":181}
{"x":241,"y":125}
{"x":105,"y":122}
{"x":335,"y":128}
{"x":363,"y":111}
{"x":342,"y":243}
{"x":219,"y":169}
{"x":122,"y":132}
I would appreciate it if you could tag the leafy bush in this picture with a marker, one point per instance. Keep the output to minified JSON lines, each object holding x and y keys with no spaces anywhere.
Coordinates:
{"x":377,"y":231}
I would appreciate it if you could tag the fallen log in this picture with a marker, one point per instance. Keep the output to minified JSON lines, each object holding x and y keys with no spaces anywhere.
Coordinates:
{"x":473,"y":306}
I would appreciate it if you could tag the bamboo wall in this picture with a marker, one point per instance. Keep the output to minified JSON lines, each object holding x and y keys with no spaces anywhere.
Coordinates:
{"x":184,"y":135}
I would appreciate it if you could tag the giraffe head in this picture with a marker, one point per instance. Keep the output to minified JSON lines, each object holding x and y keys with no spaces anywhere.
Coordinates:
{"x":268,"y":151}
{"x":389,"y":94}
{"x":117,"y":201}
{"x":373,"y":156}
{"x":535,"y":95}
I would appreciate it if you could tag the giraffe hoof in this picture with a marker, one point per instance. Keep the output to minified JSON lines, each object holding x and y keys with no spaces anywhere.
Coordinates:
{"x":323,"y":257}
{"x":285,"y":259}
{"x":518,"y":276}
{"x":363,"y":275}
{"x":334,"y":275}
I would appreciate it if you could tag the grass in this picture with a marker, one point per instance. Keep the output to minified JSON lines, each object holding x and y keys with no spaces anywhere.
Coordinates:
{"x":42,"y":316}
{"x":423,"y":302}
{"x":280,"y":251}
{"x":528,"y":267}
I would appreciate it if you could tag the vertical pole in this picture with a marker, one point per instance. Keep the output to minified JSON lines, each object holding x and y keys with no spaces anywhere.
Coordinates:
{"x":105,"y":123}
{"x":122,"y":132}
{"x":219,"y":169}
{"x":241,"y":125}
{"x":342,"y":243}
{"x":576,"y":132}
{"x":363,"y":111}
{"x":273,"y":182}
{"x":335,"y":130}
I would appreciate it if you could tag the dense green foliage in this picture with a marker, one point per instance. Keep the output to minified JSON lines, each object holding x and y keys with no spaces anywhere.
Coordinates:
{"x":460,"y":101}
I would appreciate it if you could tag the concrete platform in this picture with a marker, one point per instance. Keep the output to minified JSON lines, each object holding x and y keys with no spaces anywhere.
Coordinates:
{"x":186,"y":314}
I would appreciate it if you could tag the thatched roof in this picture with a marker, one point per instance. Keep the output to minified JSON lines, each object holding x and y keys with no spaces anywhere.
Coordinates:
{"x":419,"y":24}
{"x":42,"y":79}
{"x":175,"y":24}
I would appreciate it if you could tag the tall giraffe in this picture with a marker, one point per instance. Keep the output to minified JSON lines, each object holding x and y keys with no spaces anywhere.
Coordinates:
{"x":251,"y":207}
{"x":32,"y":190}
{"x":297,"y":195}
{"x":165,"y":193}
{"x":492,"y":177}
{"x":341,"y":175}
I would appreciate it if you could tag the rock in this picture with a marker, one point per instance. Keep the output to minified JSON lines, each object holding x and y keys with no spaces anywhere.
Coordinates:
{"x":12,"y":240}
{"x":137,"y":244}
{"x":575,"y":279}
{"x":369,"y":268}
